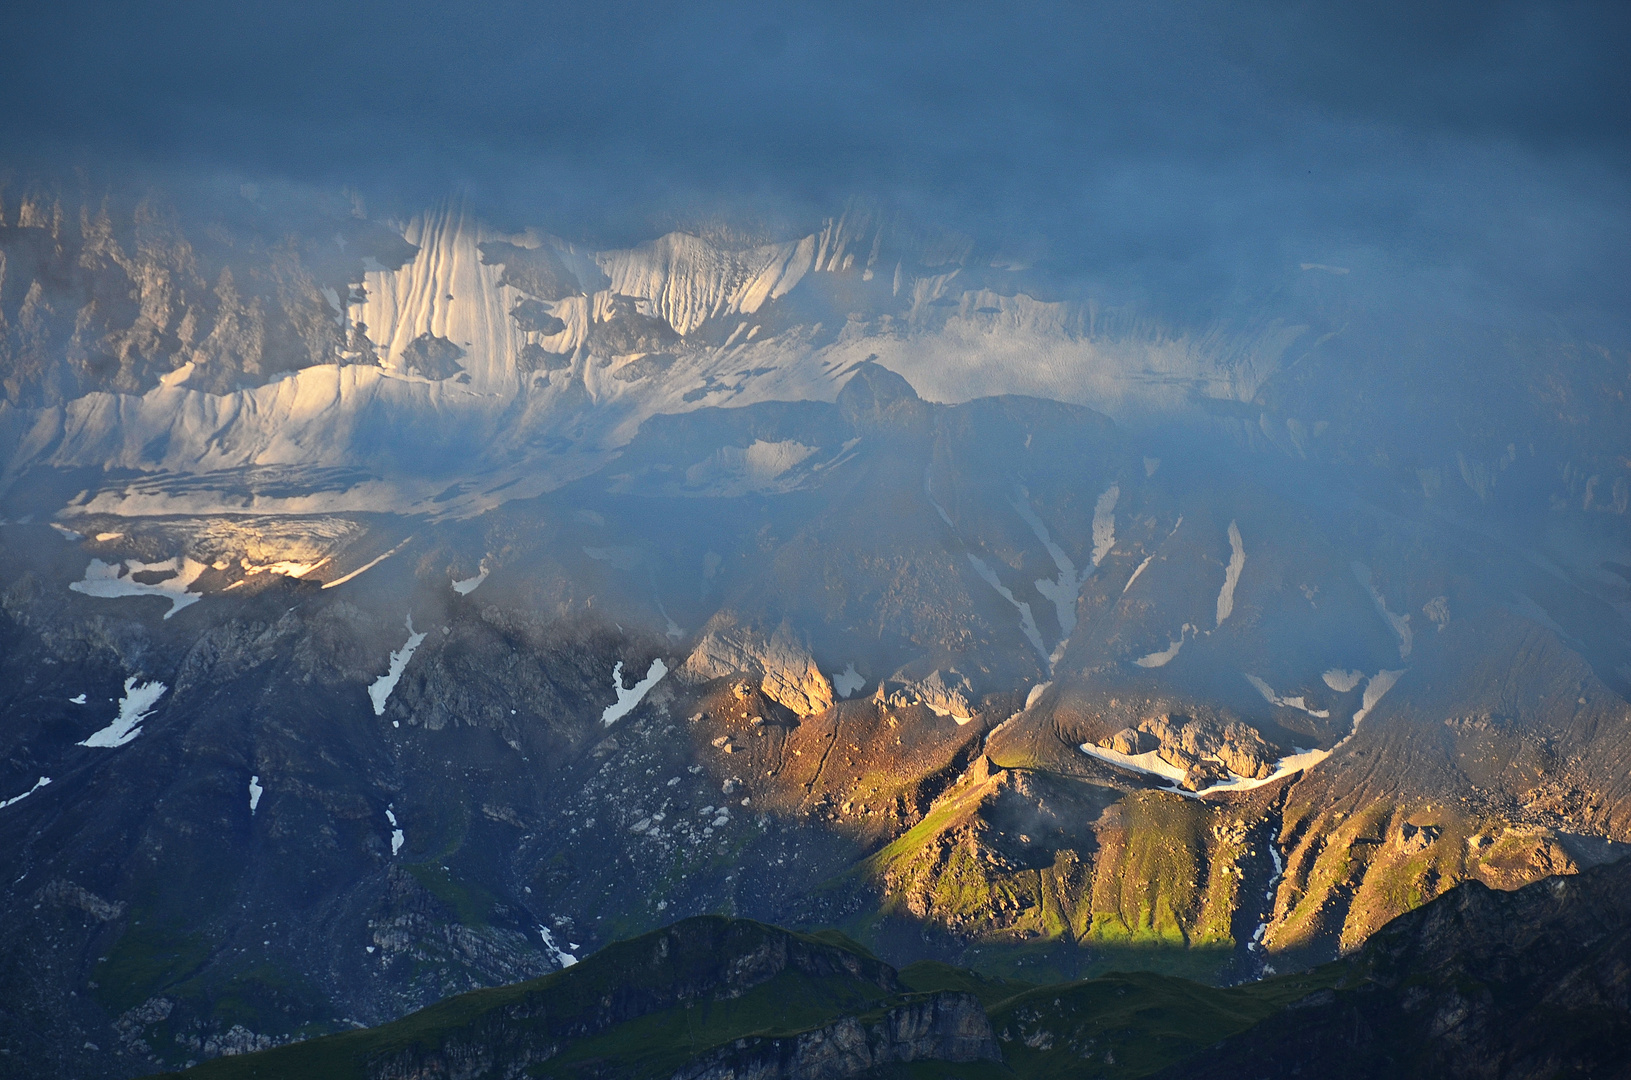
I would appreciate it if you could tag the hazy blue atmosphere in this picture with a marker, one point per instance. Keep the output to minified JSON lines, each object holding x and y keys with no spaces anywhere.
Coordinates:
{"x":795,"y":540}
{"x":1191,"y":154}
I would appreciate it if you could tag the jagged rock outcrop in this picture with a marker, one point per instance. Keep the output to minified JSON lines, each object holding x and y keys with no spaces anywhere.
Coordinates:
{"x":1207,"y":747}
{"x":947,"y":693}
{"x":780,"y":663}
{"x":431,"y":356}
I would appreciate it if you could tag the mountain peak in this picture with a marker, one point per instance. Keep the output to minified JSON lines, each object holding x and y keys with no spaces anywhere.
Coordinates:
{"x":875,"y":395}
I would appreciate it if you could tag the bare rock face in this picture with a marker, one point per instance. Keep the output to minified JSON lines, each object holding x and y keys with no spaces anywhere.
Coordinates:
{"x":947,"y":693}
{"x":1131,"y":741}
{"x":1210,"y":746}
{"x":433,"y":357}
{"x":786,"y":671}
{"x":1413,"y":838}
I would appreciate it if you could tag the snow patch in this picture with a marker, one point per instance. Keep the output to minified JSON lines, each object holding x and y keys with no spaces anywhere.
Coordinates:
{"x":1104,"y":523}
{"x":380,"y":691}
{"x":255,"y":791}
{"x":848,"y":681}
{"x":109,"y":580}
{"x":286,"y":567}
{"x":562,"y":957}
{"x":1166,"y":655}
{"x":470,"y":584}
{"x":1342,"y":680}
{"x":1231,"y":574}
{"x":15,"y":799}
{"x":397,"y":839}
{"x":1379,"y":684}
{"x":135,"y":707}
{"x":733,"y":471}
{"x":1151,"y":764}
{"x":1290,"y":703}
{"x":1036,"y":693}
{"x":629,"y":697}
{"x":79,"y":700}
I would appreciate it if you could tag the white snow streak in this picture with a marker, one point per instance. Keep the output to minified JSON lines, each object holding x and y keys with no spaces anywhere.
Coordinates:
{"x":15,"y":799}
{"x":134,"y":707}
{"x":366,"y":566}
{"x":255,"y":790}
{"x":1166,"y":656}
{"x":928,"y":493}
{"x":1231,"y":575}
{"x":397,"y":838}
{"x":1027,"y":621}
{"x":1064,"y":592}
{"x":1290,"y":703}
{"x":1104,"y":523}
{"x":1137,"y":572}
{"x":1256,"y":943}
{"x":380,"y":691}
{"x":629,"y":697}
{"x":1176,"y":526}
{"x":1399,"y":624}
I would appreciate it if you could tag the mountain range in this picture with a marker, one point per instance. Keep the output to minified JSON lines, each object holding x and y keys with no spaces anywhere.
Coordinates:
{"x":393,"y":609}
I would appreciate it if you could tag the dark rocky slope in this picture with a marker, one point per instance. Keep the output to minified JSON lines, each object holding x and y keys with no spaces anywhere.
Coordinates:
{"x":1479,"y":983}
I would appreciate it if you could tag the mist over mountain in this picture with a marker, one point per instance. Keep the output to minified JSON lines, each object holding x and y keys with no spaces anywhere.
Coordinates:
{"x":1050,"y":491}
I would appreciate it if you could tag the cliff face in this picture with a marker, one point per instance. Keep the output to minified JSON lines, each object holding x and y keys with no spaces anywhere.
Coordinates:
{"x":96,"y":296}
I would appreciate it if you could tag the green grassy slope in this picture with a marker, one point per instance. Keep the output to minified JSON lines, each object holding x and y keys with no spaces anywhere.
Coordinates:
{"x":643,"y":1008}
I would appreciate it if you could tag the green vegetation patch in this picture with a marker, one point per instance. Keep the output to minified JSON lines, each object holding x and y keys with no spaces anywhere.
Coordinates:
{"x":471,"y":904}
{"x":668,"y":986}
{"x":149,"y":958}
{"x":1132,"y":1025}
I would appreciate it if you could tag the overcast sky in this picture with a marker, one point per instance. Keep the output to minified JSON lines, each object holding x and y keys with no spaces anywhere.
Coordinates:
{"x":1196,"y":149}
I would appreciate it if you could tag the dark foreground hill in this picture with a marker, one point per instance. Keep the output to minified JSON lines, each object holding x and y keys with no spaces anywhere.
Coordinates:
{"x":1532,"y":983}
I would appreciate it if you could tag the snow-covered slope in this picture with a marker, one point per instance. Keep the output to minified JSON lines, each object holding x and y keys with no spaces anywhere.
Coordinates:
{"x":476,"y":376}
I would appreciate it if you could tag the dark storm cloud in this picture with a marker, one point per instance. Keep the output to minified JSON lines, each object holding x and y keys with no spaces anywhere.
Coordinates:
{"x":1199,"y":149}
